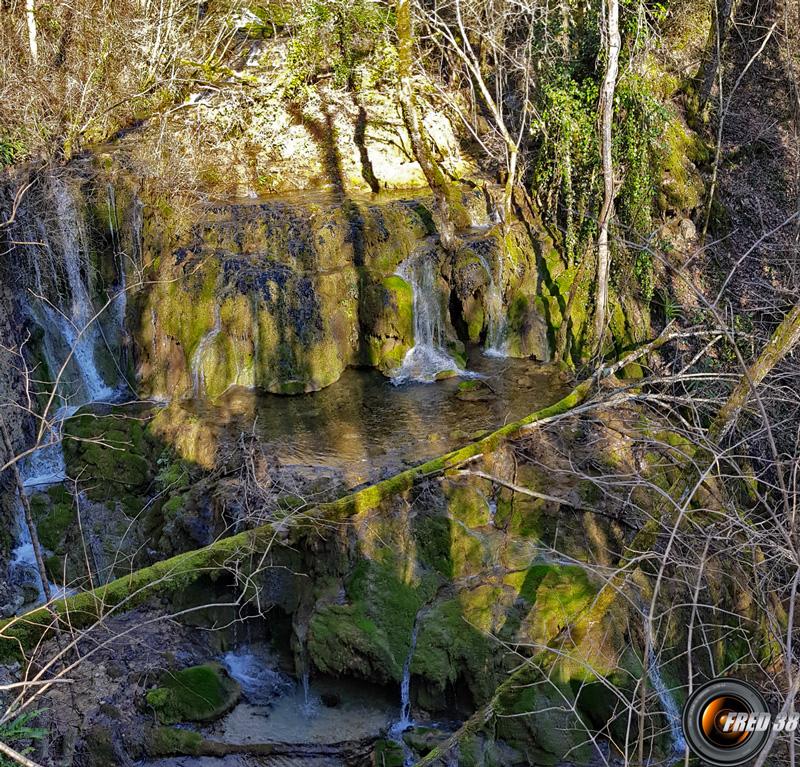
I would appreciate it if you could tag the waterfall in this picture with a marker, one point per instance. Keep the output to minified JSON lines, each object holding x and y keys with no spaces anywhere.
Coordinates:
{"x":198,"y":376}
{"x":23,"y":559}
{"x":57,"y":249}
{"x":664,"y":694}
{"x":405,"y":684}
{"x":495,"y":345}
{"x":60,"y":275}
{"x":251,"y":667}
{"x":428,"y":356}
{"x":42,"y":468}
{"x":309,"y":704}
{"x":668,"y":705}
{"x":120,"y":303}
{"x":45,"y":466}
{"x":405,"y":721}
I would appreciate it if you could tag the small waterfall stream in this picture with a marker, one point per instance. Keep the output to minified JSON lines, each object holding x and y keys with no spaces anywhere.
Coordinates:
{"x":405,"y":721}
{"x":495,"y":345}
{"x":198,"y":375}
{"x":665,"y":698}
{"x":39,"y":470}
{"x":428,"y":357}
{"x":58,"y":255}
{"x":62,"y":277}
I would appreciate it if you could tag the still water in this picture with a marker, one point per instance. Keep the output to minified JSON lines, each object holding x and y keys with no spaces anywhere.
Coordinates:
{"x":365,"y":427}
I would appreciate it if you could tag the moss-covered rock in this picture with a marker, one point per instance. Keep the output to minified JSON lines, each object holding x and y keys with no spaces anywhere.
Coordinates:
{"x":173,"y":741}
{"x":681,"y":151}
{"x":196,"y":694}
{"x":54,"y":513}
{"x":111,"y":455}
{"x":386,"y":313}
{"x":278,"y":296}
{"x":387,"y":753}
{"x":369,"y":635}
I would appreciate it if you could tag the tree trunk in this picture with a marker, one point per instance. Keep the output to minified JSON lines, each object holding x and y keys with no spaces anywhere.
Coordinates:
{"x":783,"y":340}
{"x":419,"y":141}
{"x":30,"y":18}
{"x":607,"y":211}
{"x":721,"y":14}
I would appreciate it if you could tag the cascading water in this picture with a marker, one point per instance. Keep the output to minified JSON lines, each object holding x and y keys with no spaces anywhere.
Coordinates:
{"x":40,"y":469}
{"x":251,"y":667}
{"x":45,"y":466}
{"x":61,"y":277}
{"x":495,"y":345}
{"x":23,"y":567}
{"x":57,"y":253}
{"x":405,"y":721}
{"x":120,"y":303}
{"x":198,"y":376}
{"x":670,"y":708}
{"x":77,"y":327}
{"x":428,"y":357}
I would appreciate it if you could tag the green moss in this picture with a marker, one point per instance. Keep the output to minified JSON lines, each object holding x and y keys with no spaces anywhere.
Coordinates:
{"x":195,"y":694}
{"x":370,"y":635}
{"x":54,"y":526}
{"x":453,"y":640}
{"x":386,"y":316}
{"x":476,"y":319}
{"x":467,"y":503}
{"x":173,"y":508}
{"x":108,"y":454}
{"x":466,"y":551}
{"x":387,"y":753}
{"x":433,"y":542}
{"x":680,"y":149}
{"x":172,"y":741}
{"x":55,"y":568}
{"x":538,"y":713}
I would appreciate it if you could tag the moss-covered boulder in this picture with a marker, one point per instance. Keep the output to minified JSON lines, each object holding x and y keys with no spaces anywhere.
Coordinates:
{"x":53,"y":512}
{"x":111,"y":454}
{"x":196,"y":694}
{"x":173,"y":741}
{"x":368,"y":634}
{"x":387,"y":322}
{"x":387,"y":753}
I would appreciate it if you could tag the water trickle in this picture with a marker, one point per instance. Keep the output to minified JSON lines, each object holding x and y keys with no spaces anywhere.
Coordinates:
{"x":23,"y":565}
{"x":668,"y":705}
{"x":664,"y":694}
{"x":198,"y":358}
{"x":120,"y":302}
{"x":428,"y":357}
{"x":495,"y":345}
{"x":309,"y":706}
{"x":45,"y":466}
{"x":405,"y":721}
{"x":42,"y":468}
{"x":251,"y":667}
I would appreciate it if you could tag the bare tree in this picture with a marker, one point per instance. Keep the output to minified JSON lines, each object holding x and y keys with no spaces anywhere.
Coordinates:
{"x":30,"y":18}
{"x":613,"y":46}
{"x":420,"y":144}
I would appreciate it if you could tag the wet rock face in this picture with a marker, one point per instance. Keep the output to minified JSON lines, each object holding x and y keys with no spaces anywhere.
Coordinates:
{"x":284,"y":295}
{"x":280,"y":297}
{"x":429,"y":586}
